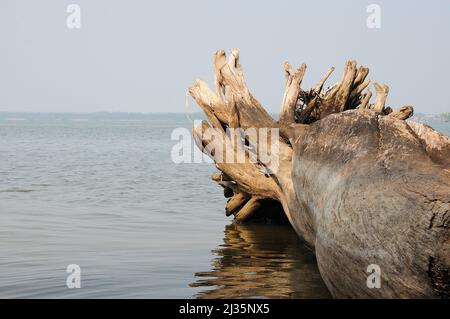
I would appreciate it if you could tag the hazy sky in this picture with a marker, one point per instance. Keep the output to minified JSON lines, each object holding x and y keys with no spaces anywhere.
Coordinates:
{"x":140,"y":56}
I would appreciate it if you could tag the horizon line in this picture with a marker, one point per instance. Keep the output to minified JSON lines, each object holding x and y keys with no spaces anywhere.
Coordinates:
{"x":96,"y":112}
{"x":142,"y":113}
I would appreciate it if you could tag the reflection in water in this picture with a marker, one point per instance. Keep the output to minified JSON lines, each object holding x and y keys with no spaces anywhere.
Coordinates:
{"x":262,"y":261}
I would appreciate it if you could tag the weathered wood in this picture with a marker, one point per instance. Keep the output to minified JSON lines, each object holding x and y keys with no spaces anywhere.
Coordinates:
{"x":403,"y":113}
{"x":248,"y":210}
{"x":365,"y":100}
{"x":319,"y":86}
{"x":393,"y":210}
{"x":291,"y":95}
{"x":359,"y":184}
{"x":381,"y":92}
{"x":235,"y":203}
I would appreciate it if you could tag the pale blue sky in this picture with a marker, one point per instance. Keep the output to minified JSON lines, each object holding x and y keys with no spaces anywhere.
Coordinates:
{"x":140,"y":56}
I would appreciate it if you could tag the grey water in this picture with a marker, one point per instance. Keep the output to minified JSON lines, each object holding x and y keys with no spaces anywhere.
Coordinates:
{"x":101,"y":191}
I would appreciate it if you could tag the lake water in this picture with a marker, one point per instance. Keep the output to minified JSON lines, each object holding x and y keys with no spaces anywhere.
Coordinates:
{"x":102,"y":192}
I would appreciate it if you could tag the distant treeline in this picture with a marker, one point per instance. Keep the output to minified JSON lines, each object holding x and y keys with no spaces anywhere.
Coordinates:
{"x":446,"y":116}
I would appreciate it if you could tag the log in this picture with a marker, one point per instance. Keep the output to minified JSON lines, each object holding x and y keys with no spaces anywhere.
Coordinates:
{"x":403,"y":113}
{"x":235,"y":203}
{"x":357,"y":182}
{"x":248,"y":209}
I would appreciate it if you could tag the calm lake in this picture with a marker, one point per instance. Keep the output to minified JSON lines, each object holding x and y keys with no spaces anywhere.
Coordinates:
{"x":101,"y":191}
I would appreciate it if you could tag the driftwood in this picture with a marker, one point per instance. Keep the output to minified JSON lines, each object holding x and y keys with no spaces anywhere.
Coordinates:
{"x":357,"y":182}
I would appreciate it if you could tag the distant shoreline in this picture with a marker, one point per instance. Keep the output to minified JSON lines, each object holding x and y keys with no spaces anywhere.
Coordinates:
{"x":82,"y":116}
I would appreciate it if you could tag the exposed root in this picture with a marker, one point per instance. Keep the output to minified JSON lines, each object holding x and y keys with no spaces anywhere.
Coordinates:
{"x":249,"y":181}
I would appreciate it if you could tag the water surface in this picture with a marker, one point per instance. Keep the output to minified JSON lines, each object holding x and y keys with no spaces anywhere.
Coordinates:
{"x":102,"y":192}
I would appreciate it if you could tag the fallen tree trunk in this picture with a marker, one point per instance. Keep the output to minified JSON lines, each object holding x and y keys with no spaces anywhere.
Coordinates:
{"x":357,"y":182}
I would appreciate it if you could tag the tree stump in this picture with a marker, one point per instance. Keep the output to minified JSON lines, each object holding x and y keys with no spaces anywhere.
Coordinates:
{"x":358,"y":183}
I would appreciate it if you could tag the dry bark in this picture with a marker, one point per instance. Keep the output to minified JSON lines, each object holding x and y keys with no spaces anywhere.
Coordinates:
{"x":357,"y":182}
